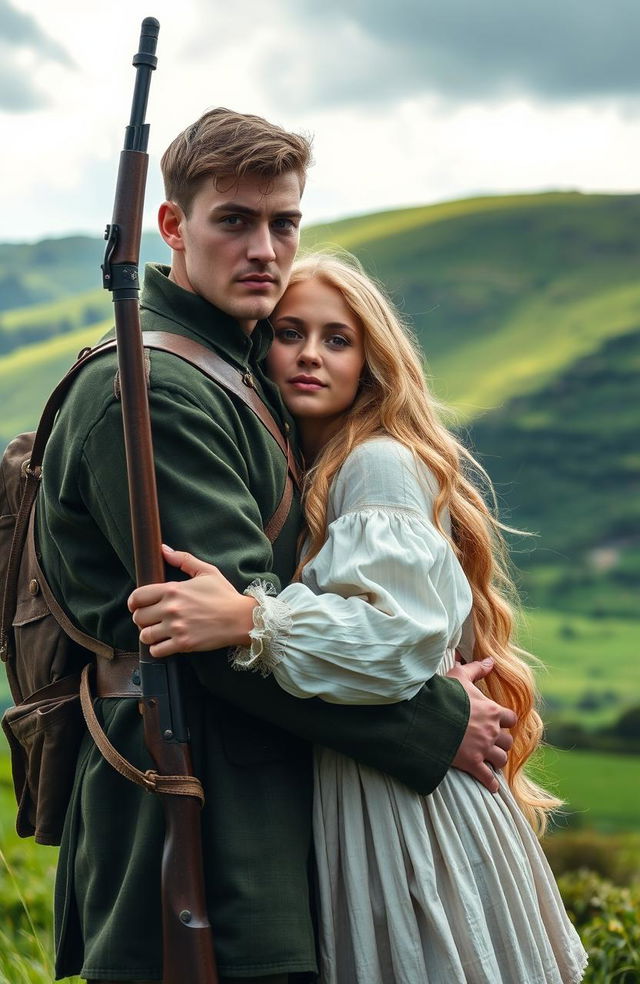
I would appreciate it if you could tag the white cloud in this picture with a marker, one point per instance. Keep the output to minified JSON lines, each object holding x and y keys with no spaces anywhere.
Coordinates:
{"x":60,"y":160}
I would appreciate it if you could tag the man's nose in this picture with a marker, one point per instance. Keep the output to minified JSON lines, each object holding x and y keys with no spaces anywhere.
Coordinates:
{"x":261,"y":245}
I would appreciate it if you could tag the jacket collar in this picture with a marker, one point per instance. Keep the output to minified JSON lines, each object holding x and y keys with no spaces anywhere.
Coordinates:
{"x":201,"y":320}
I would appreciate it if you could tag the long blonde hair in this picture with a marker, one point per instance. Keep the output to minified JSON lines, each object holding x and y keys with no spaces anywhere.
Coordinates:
{"x":394,"y":400}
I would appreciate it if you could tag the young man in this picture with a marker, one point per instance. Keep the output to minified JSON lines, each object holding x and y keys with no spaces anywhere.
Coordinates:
{"x":233,"y":186}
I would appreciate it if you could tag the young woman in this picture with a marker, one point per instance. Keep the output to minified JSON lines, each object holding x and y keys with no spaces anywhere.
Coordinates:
{"x":452,"y":888}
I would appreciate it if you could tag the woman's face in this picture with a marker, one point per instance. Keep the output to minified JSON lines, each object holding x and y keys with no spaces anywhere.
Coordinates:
{"x":317,"y":357}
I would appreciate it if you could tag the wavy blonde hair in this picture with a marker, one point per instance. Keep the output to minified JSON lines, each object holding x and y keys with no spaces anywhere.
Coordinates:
{"x":394,"y":400}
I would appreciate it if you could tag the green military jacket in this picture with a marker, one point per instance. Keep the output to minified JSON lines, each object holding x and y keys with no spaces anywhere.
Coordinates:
{"x":220,"y":477}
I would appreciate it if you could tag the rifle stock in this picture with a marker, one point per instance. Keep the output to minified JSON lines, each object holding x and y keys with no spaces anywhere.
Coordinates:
{"x":187,"y":939}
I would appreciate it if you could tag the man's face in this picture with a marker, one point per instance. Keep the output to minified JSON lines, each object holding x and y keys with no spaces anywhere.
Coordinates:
{"x":237,"y":244}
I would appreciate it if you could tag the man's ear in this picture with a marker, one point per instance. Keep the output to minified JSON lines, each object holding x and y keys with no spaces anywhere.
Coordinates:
{"x":170,"y":219}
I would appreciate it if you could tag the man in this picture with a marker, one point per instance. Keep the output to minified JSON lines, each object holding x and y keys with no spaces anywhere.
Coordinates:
{"x":233,"y":186}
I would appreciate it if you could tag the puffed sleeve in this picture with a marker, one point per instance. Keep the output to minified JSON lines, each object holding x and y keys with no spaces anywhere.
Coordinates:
{"x":382,"y":600}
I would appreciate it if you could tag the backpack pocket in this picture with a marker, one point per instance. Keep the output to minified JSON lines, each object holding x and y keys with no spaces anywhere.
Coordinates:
{"x":44,"y":734}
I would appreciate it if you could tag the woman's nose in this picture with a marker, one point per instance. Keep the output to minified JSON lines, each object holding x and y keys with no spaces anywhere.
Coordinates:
{"x":309,"y":354}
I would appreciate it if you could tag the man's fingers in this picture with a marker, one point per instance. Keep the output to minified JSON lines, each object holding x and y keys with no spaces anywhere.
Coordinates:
{"x":484,"y":774}
{"x":504,"y":740}
{"x":497,"y":757}
{"x":472,"y":672}
{"x":508,"y":718}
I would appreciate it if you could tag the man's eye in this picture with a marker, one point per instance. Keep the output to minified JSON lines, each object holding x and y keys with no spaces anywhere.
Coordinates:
{"x":285,"y":225}
{"x":232,"y":220}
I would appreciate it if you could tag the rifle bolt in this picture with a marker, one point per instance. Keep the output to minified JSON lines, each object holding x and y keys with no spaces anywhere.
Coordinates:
{"x":185,"y":916}
{"x":168,"y":735}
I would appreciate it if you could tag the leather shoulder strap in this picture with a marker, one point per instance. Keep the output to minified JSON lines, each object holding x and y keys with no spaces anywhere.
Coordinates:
{"x":230,"y":378}
{"x":242,"y":386}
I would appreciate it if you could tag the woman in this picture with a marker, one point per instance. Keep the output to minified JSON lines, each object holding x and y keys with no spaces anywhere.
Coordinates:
{"x":447,"y":888}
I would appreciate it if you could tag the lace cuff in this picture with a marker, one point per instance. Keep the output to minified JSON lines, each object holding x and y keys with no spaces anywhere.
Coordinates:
{"x":271,"y":627}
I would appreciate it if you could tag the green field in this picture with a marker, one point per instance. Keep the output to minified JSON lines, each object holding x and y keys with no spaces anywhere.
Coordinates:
{"x":600,"y":791}
{"x":590,"y":665}
{"x":588,"y":670}
{"x":28,"y":375}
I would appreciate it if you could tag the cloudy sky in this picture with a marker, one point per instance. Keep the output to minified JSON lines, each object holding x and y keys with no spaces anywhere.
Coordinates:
{"x":409,"y":101}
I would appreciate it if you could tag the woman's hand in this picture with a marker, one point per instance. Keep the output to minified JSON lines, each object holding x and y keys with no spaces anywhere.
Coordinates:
{"x":190,"y":616}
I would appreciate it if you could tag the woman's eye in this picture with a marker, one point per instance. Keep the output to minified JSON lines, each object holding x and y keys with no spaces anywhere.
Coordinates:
{"x":338,"y":341}
{"x":287,"y":335}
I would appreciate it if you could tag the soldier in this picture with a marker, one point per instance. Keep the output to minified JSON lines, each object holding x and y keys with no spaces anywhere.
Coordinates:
{"x":233,"y":186}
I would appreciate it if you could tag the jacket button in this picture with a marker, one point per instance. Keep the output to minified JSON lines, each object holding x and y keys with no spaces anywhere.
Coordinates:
{"x":34,"y":587}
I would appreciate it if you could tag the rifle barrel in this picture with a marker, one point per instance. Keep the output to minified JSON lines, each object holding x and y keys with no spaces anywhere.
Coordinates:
{"x":187,"y":939}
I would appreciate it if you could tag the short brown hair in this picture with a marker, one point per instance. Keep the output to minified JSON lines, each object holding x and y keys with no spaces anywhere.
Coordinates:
{"x":222,"y":144}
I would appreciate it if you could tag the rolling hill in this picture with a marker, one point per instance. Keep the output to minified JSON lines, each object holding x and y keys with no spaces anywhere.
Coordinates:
{"x":528,"y":310}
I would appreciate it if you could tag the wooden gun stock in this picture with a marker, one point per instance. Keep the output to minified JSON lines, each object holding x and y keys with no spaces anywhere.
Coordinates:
{"x":188,"y":954}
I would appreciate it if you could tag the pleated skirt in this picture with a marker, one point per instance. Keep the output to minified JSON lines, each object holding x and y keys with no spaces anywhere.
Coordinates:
{"x":451,"y":888}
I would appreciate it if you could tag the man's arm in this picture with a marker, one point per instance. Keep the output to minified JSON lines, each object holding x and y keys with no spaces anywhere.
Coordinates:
{"x":207,"y":507}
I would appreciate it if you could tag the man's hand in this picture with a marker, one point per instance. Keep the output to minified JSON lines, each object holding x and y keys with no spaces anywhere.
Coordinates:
{"x":486,"y":741}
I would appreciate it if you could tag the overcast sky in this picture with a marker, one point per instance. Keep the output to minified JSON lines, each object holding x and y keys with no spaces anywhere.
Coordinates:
{"x":409,"y":101}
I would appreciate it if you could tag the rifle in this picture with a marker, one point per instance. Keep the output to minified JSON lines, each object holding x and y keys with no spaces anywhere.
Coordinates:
{"x":187,"y":940}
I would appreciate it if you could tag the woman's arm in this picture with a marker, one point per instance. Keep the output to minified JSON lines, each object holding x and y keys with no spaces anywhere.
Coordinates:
{"x":378,"y":609}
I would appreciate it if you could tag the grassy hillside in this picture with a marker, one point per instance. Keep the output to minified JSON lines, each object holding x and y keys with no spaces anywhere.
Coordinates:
{"x":566,"y":462}
{"x":28,"y":375}
{"x":25,"y":326}
{"x":528,"y":310}
{"x":31,"y":273}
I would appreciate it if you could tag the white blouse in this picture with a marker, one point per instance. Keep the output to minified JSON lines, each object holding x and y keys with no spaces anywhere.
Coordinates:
{"x":383,"y":601}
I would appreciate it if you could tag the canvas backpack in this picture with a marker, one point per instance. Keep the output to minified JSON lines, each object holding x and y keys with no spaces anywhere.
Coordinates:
{"x":46,"y":656}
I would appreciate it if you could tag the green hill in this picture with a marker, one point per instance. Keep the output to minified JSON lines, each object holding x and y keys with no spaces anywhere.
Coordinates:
{"x":24,"y":326}
{"x":31,"y":273}
{"x":528,"y":310}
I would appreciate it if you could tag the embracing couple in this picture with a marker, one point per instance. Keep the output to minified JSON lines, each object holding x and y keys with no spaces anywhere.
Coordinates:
{"x":366,"y":808}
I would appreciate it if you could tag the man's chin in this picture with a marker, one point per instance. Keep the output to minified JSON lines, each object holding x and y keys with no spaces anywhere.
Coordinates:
{"x":255,"y":311}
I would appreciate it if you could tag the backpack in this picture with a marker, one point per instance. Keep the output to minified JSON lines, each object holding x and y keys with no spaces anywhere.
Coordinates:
{"x":46,"y":656}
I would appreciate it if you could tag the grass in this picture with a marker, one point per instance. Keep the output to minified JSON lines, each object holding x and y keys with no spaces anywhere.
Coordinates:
{"x":73,"y":308}
{"x":590,"y":665}
{"x":600,"y":791}
{"x":353,"y":232}
{"x":538,"y":340}
{"x":28,"y":375}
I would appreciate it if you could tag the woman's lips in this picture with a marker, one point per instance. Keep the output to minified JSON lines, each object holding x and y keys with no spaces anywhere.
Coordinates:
{"x":306,"y":384}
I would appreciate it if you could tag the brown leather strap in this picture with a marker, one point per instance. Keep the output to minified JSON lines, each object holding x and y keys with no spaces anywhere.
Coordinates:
{"x":279,"y":518}
{"x":149,"y":780}
{"x":114,"y":669}
{"x":100,"y":649}
{"x":118,"y":677}
{"x":242,"y":386}
{"x":23,"y":520}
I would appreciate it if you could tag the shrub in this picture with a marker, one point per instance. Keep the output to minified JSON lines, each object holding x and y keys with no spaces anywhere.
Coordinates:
{"x":612,"y":857}
{"x":607,"y":919}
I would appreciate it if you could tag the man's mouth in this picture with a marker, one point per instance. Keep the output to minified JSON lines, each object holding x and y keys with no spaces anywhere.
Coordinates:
{"x":263,"y":280}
